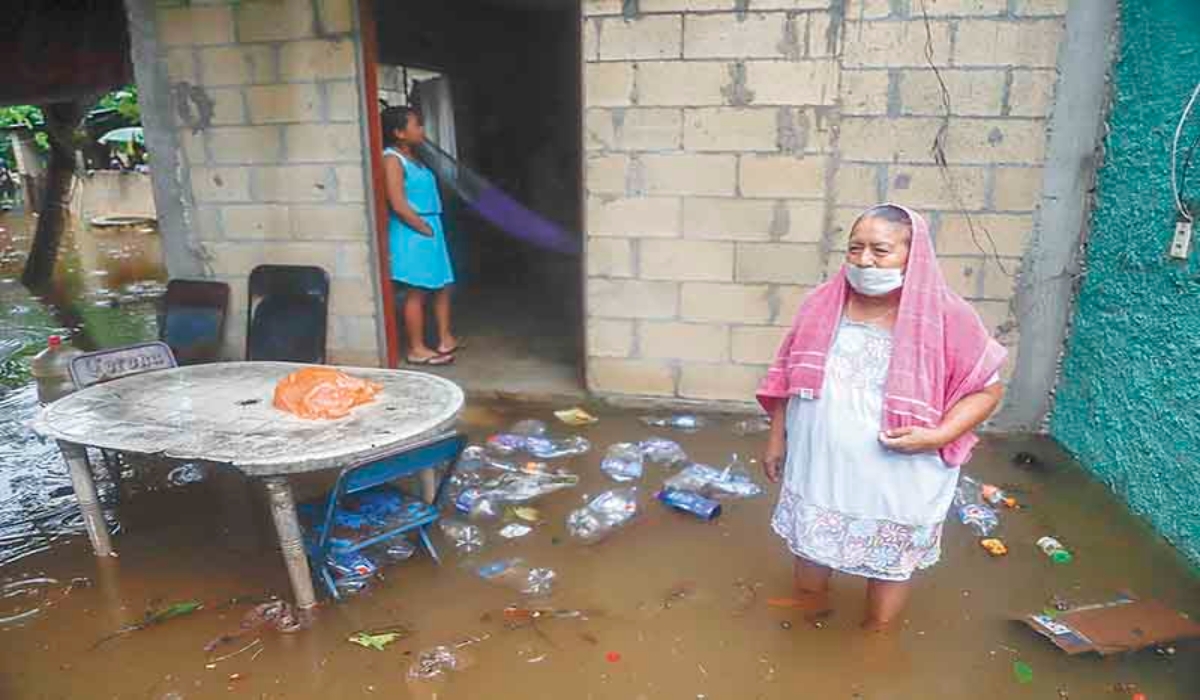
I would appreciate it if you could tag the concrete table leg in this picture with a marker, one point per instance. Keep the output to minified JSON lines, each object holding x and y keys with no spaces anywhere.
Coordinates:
{"x":85,"y":492}
{"x":287,"y":525}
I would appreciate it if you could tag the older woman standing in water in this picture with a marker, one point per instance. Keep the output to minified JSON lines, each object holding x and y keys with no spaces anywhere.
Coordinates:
{"x":873,"y":399}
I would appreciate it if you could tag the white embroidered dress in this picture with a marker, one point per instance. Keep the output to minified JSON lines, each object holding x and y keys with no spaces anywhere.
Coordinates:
{"x":847,"y":502}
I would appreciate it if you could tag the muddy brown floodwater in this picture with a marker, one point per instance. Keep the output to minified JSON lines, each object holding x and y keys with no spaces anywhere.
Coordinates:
{"x":678,"y":606}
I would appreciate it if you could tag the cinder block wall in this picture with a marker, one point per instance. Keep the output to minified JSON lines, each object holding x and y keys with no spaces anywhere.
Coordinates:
{"x":266,"y":104}
{"x":731,"y":144}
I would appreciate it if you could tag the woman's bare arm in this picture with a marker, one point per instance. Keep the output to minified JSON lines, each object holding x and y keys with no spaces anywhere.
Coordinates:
{"x":393,"y":175}
{"x":963,"y":417}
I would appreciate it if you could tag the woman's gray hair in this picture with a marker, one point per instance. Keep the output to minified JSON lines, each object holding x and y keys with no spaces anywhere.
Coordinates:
{"x":887,"y":212}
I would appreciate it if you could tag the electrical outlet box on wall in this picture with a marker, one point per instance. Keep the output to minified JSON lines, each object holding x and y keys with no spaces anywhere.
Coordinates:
{"x":1181,"y":243}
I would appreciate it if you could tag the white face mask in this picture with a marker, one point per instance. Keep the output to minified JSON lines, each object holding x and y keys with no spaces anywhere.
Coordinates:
{"x":874,"y":281}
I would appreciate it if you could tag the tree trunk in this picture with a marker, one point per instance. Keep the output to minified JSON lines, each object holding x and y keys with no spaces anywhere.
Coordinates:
{"x":62,"y":118}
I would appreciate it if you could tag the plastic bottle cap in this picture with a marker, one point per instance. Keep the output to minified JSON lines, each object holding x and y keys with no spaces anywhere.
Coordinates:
{"x":1061,"y":556}
{"x":54,"y":341}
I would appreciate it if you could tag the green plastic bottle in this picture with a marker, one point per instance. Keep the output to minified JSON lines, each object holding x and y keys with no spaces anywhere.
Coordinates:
{"x":1055,"y":550}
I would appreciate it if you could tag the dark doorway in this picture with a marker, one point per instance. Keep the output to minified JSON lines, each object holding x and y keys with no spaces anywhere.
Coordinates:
{"x":506,"y":77}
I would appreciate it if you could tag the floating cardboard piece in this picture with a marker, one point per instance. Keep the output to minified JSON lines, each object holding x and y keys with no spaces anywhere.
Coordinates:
{"x":1111,"y":628}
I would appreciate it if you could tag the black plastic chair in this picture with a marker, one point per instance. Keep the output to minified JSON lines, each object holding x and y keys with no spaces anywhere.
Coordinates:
{"x":191,"y":319}
{"x":288,"y":316}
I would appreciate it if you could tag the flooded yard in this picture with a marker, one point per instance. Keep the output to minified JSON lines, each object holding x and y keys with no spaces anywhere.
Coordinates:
{"x":672,"y":607}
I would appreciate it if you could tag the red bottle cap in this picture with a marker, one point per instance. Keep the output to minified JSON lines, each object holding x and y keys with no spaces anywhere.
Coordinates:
{"x":55,"y":341}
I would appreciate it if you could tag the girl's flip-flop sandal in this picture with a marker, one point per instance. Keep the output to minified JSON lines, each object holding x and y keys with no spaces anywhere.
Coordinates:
{"x":462,"y":345}
{"x":439,"y":360}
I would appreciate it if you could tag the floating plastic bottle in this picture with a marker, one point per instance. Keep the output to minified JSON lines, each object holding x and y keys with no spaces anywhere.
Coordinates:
{"x":467,"y":538}
{"x":623,"y":462}
{"x":529,"y":428}
{"x":731,"y":482}
{"x":604,"y":514}
{"x":51,"y":370}
{"x":663,"y":451}
{"x":996,"y":496}
{"x":1055,"y":550}
{"x":516,"y":574}
{"x":752,"y":426}
{"x":684,"y":422}
{"x":979,"y":517}
{"x":545,"y":448}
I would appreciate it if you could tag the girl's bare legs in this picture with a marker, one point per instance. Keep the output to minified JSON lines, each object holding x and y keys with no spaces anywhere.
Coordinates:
{"x":441,"y":313}
{"x":812,"y":587}
{"x":885,"y":602}
{"x":414,"y":325}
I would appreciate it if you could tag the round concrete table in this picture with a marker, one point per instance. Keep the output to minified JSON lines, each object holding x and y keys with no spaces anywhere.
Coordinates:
{"x":223,"y":413}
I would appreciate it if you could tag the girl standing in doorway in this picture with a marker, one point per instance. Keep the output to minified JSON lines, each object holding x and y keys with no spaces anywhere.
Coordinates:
{"x":419,"y":258}
{"x":873,"y":400}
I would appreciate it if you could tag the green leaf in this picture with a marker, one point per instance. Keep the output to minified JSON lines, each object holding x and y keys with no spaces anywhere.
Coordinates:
{"x":1023,"y":672}
{"x":374,"y":641}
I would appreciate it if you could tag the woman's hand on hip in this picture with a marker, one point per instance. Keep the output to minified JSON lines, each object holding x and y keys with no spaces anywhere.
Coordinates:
{"x":913,"y":440}
{"x":773,"y":460}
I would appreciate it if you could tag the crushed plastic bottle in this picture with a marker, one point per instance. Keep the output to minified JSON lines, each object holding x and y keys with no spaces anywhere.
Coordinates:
{"x":623,"y":462}
{"x":997,"y":497}
{"x":731,"y":482}
{"x":467,"y":538}
{"x":185,"y":474}
{"x":529,"y":427}
{"x":752,"y":426}
{"x":662,"y":451}
{"x":979,"y":517}
{"x":516,"y":574}
{"x":472,"y":459}
{"x":433,"y":663}
{"x":505,"y":444}
{"x":512,"y":531}
{"x":604,"y":514}
{"x":545,"y":448}
{"x":1054,"y":549}
{"x":683,"y":422}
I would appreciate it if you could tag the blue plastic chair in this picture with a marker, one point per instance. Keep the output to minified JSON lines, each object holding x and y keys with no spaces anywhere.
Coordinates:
{"x":376,"y":474}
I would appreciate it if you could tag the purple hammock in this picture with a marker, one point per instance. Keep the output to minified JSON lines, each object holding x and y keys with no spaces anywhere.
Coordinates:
{"x":494,"y":205}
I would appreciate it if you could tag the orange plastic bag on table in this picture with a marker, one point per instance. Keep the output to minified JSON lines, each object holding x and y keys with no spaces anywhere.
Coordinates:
{"x":322,"y":392}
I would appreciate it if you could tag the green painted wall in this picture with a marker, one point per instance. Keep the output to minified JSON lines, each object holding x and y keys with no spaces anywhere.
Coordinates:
{"x":1128,"y":404}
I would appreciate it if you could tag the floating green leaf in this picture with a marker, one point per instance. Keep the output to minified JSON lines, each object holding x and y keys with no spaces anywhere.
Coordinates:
{"x":375,"y":641}
{"x":1023,"y":672}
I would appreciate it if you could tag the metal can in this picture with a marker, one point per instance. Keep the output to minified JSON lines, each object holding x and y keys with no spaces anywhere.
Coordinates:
{"x":688,"y":502}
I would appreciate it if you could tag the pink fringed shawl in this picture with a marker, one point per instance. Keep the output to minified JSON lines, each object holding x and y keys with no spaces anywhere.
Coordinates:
{"x":941,"y":350}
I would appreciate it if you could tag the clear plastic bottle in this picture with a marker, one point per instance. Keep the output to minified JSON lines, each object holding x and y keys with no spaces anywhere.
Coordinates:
{"x":51,"y":369}
{"x":1055,"y":550}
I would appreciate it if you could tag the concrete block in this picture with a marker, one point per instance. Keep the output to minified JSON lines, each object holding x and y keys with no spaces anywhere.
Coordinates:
{"x":843,"y":221}
{"x":857,"y":184}
{"x":632,"y":377}
{"x":609,"y":257}
{"x":277,"y":104}
{"x":336,"y":16}
{"x":731,"y":129}
{"x":220,"y":184}
{"x":895,"y":44}
{"x":756,"y":35}
{"x":322,"y":59}
{"x":606,"y":173}
{"x":972,"y":93}
{"x":613,"y":298}
{"x":684,"y":5}
{"x":1016,"y":189}
{"x":886,"y":140}
{"x":682,"y":83}
{"x":824,"y":35}
{"x":725,"y":303}
{"x":806,"y":222}
{"x":608,"y":84}
{"x":354,"y":262}
{"x":684,"y":341}
{"x":283,"y":20}
{"x":192,"y":145}
{"x":181,"y":65}
{"x":963,"y":8}
{"x":349,"y":297}
{"x":864,"y":92}
{"x":323,"y":143}
{"x":591,"y":40}
{"x":999,"y":283}
{"x":756,"y":345}
{"x":255,"y":222}
{"x":238,"y":65}
{"x":788,"y":300}
{"x":729,"y":219}
{"x":351,"y":181}
{"x":808,"y":82}
{"x":793,"y":4}
{"x":719,"y":382}
{"x":779,"y":263}
{"x":208,"y":224}
{"x":244,"y":144}
{"x":1009,"y":233}
{"x":1031,"y":44}
{"x":688,"y":174}
{"x":1040,"y":8}
{"x":1032,"y":93}
{"x":609,"y":338}
{"x":782,"y":176}
{"x":595,"y":8}
{"x":294,"y":183}
{"x":228,"y":106}
{"x":996,"y":141}
{"x":963,"y":275}
{"x":343,"y":101}
{"x":685,"y":261}
{"x":186,"y":26}
{"x":635,"y":129}
{"x":929,"y":187}
{"x":649,"y":37}
{"x":639,"y":217}
{"x":869,"y":9}
{"x":329,"y":222}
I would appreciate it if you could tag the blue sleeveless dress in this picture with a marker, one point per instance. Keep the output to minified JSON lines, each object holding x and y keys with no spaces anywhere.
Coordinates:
{"x":418,"y":260}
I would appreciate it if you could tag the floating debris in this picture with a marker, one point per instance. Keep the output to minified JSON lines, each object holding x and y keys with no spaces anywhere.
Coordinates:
{"x":379,"y":639}
{"x":155,"y":617}
{"x":576,"y":417}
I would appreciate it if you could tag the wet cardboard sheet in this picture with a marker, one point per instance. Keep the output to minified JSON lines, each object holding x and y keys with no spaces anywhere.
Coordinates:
{"x":1118,"y":626}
